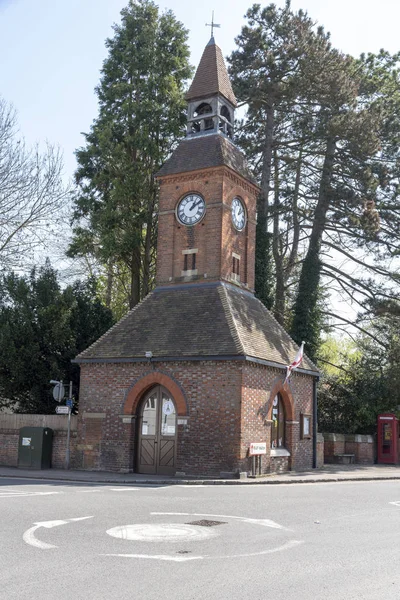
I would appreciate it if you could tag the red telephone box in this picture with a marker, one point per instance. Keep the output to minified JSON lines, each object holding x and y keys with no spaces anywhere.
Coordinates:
{"x":388,"y":435}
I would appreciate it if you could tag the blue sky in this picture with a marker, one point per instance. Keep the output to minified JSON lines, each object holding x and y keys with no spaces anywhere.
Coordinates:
{"x":51,"y":51}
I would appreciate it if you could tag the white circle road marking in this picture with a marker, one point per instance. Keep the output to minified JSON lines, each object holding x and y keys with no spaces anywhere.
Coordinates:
{"x":262,"y":522}
{"x":167,"y":532}
{"x":286,"y":546}
{"x":163,"y":532}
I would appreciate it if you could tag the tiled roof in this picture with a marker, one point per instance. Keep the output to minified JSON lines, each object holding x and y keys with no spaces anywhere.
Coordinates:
{"x":211,"y":76}
{"x":209,"y":150}
{"x":206,"y":320}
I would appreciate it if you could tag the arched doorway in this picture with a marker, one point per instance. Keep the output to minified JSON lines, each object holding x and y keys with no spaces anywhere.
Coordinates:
{"x":157,"y":433}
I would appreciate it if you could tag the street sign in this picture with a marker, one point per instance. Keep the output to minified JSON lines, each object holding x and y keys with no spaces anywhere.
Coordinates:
{"x":68,"y":402}
{"x":58,"y":392}
{"x":258,"y":448}
{"x":62,"y":410}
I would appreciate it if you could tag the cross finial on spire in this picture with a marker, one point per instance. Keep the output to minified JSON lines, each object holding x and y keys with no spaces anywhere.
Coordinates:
{"x":212,"y":24}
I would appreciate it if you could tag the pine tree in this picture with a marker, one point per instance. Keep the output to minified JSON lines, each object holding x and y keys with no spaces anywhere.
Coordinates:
{"x":323,"y":134}
{"x":43,"y":327}
{"x":141,"y":114}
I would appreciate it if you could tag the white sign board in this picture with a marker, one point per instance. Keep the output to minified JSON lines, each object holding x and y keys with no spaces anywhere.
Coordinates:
{"x":26,"y":441}
{"x":258,"y":448}
{"x":62,"y":410}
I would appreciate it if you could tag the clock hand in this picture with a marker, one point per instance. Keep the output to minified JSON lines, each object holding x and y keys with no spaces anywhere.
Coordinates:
{"x":195,"y":203}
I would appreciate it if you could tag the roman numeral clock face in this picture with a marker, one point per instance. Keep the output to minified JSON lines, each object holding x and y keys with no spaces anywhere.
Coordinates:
{"x":238,"y":214}
{"x":191,"y":209}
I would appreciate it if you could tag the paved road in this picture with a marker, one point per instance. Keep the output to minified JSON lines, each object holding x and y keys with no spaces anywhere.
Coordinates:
{"x":328,"y":540}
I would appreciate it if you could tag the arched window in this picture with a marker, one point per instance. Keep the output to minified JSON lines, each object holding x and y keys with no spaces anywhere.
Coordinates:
{"x":225,"y":123}
{"x":278,"y":423}
{"x":225,"y":113}
{"x":203,"y":109}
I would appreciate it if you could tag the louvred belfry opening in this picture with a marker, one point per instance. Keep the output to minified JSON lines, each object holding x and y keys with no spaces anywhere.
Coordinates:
{"x":210,"y":96}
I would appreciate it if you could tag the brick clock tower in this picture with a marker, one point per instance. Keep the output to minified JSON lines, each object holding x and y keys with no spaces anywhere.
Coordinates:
{"x":207,"y":217}
{"x":193,"y":376}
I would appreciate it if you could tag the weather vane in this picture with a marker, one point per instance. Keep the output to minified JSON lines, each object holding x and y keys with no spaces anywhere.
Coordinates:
{"x":212,"y":24}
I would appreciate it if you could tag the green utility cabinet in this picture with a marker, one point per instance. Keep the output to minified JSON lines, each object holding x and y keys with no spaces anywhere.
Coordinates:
{"x":35,"y":446}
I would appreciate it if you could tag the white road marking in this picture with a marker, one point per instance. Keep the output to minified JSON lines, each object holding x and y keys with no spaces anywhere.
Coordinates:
{"x":87,"y":491}
{"x":4,"y":494}
{"x":286,"y":546}
{"x":131,"y":489}
{"x":29,"y":535}
{"x":178,"y":532}
{"x":397,"y":503}
{"x":162,"y":532}
{"x":262,"y":522}
{"x":158,"y":557}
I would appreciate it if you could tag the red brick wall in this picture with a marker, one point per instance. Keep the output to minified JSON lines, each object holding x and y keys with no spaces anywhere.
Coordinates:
{"x":361,"y":446}
{"x":258,"y":381}
{"x":214,"y":237}
{"x":9,"y":439}
{"x":9,"y":447}
{"x":227,"y":408}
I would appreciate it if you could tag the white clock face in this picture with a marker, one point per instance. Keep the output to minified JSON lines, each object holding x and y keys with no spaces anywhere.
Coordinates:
{"x":238,"y":214}
{"x":191,"y":209}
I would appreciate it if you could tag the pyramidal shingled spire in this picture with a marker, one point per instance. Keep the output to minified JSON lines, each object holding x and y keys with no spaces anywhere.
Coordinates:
{"x":211,"y":76}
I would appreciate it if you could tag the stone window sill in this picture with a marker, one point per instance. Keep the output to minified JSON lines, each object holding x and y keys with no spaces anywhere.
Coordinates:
{"x":279,"y":452}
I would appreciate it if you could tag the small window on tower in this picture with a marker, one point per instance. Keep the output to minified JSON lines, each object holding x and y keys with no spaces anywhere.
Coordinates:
{"x":235,"y":267}
{"x":189,"y":262}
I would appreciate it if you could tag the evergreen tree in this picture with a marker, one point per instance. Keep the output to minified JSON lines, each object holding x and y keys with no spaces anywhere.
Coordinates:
{"x":322,"y":133}
{"x":42,"y":328}
{"x":141,"y":114}
{"x":264,"y":72}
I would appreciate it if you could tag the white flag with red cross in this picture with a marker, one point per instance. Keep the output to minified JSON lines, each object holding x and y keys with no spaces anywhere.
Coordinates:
{"x":296,"y":363}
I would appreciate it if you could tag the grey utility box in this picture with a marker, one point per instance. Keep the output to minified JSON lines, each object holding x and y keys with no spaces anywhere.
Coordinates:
{"x":35,"y":447}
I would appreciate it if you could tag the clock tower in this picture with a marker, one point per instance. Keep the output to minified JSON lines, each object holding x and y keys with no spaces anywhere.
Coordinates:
{"x":193,"y":379}
{"x":207,"y":216}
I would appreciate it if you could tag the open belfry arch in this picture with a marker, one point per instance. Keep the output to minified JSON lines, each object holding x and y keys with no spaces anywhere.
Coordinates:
{"x":195,"y":374}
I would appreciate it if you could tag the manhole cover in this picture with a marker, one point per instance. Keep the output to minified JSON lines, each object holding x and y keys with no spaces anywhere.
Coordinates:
{"x":206,"y":523}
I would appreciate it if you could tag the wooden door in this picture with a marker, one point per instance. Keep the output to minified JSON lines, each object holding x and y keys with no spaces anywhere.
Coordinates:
{"x":157,"y":433}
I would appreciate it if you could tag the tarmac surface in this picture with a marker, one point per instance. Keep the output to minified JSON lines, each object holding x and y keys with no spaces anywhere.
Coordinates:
{"x":328,"y":473}
{"x":99,"y":536}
